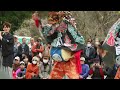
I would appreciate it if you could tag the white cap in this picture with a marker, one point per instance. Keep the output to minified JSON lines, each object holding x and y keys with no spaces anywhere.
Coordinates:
{"x":22,"y":63}
{"x":17,"y":58}
{"x":82,"y":59}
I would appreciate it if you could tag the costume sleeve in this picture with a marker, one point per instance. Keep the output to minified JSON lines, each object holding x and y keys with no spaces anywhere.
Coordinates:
{"x":76,"y":36}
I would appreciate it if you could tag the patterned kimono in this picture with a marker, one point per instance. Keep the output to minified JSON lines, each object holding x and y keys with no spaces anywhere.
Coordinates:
{"x":66,"y":48}
{"x":65,"y":42}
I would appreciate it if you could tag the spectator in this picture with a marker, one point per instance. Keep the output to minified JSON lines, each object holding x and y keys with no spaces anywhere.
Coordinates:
{"x":20,"y":73}
{"x":32,"y":71}
{"x":15,"y":45}
{"x":97,"y":44}
{"x":96,"y":71}
{"x":23,"y":49}
{"x":1,"y":56}
{"x":45,"y":66}
{"x":89,"y":53}
{"x":7,"y":42}
{"x":31,"y":44}
{"x":85,"y":69}
{"x":16,"y":64}
{"x":26,"y":61}
{"x":38,"y":48}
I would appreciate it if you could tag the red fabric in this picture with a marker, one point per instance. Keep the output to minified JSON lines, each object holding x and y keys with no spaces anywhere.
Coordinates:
{"x":14,"y":74}
{"x":91,"y":71}
{"x":78,"y":64}
{"x":111,"y":40}
{"x":102,"y":73}
{"x":37,"y":23}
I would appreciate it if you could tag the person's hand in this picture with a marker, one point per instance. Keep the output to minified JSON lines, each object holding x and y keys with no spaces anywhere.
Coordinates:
{"x":24,"y":76}
{"x":33,"y":74}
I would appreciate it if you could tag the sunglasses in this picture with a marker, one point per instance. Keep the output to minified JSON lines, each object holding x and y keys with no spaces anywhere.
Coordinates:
{"x":34,"y":60}
{"x":16,"y":60}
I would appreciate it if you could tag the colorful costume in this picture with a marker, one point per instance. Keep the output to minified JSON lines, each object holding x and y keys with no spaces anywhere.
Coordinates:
{"x":66,"y":44}
{"x":112,"y":43}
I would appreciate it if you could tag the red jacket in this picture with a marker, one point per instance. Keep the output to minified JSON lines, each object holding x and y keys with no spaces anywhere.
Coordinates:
{"x":37,"y":50}
{"x":100,"y":71}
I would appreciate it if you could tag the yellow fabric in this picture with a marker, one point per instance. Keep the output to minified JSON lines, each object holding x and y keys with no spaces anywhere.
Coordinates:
{"x":66,"y":55}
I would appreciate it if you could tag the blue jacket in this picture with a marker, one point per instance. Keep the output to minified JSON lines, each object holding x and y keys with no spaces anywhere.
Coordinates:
{"x":85,"y":70}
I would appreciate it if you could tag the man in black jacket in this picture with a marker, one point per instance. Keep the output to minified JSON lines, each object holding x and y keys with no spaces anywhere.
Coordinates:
{"x":7,"y":42}
{"x":89,"y":53}
{"x":23,"y":49}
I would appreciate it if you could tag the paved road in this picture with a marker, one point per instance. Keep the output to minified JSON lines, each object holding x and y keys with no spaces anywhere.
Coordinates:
{"x":3,"y":74}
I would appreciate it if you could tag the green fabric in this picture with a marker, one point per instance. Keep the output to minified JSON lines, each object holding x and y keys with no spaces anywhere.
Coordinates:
{"x":78,"y":38}
{"x":109,"y":59}
{"x":46,"y":30}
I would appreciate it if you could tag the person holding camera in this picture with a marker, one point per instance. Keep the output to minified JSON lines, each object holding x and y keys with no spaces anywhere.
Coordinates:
{"x":96,"y":71}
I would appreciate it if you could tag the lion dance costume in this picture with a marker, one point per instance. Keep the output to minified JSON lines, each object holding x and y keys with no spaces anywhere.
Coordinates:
{"x":66,"y":42}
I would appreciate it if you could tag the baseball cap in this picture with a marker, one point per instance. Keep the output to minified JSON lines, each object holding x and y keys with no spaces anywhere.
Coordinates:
{"x":17,"y":58}
{"x":82,"y":59}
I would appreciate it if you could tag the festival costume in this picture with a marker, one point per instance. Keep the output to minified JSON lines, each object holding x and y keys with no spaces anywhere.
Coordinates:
{"x":112,"y":43}
{"x":67,"y":45}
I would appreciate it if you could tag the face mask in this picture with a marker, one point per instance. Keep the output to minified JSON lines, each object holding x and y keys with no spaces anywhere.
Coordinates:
{"x":88,"y":45}
{"x":45,"y":60}
{"x":34,"y":62}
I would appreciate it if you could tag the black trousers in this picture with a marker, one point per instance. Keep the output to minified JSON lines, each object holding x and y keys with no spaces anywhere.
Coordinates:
{"x":8,"y":60}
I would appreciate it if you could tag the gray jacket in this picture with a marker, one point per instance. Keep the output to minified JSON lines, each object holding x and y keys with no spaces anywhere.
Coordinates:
{"x":45,"y":70}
